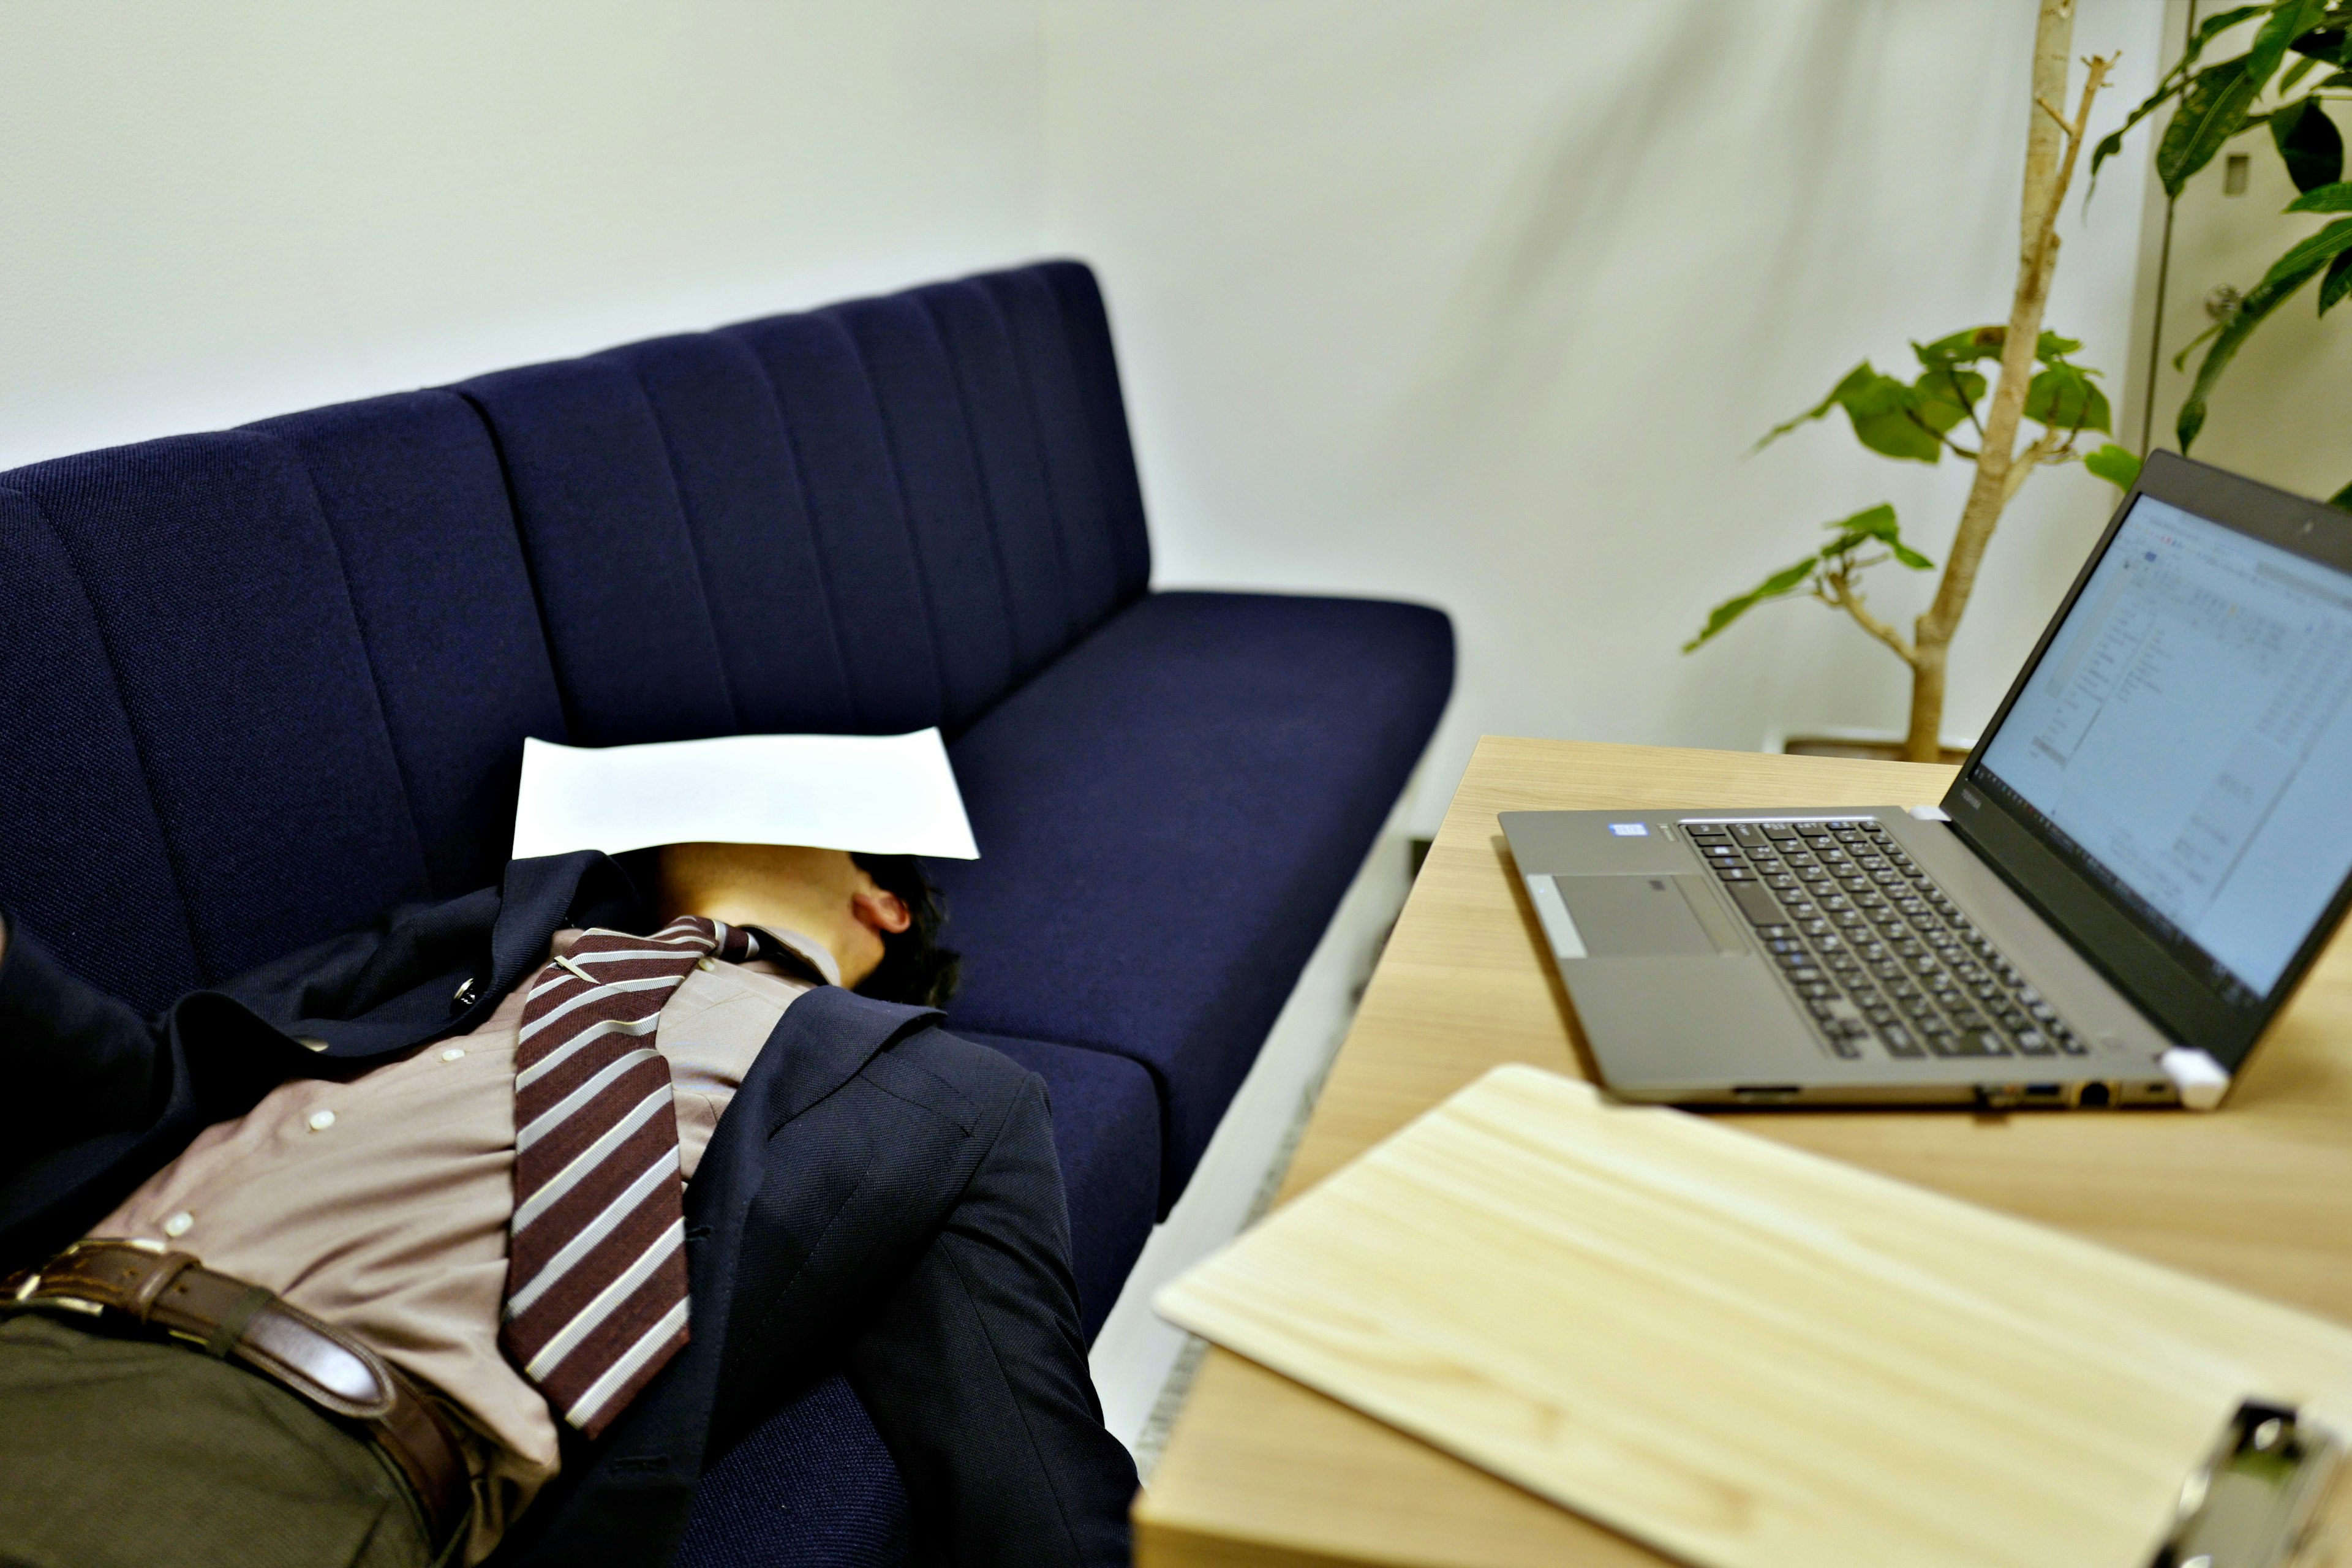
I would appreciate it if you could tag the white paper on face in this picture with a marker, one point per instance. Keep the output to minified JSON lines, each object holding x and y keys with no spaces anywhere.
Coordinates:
{"x":881,"y":795}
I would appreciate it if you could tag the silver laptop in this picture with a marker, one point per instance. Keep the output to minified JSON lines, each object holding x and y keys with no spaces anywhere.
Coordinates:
{"x":2136,"y":864}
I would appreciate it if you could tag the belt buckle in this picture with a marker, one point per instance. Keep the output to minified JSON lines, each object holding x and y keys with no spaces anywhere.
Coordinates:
{"x":24,"y":1298}
{"x":143,"y":1243}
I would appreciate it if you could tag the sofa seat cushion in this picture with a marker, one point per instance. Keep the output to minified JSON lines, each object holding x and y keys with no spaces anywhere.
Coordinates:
{"x":1167,"y":818}
{"x":1107,"y":1136}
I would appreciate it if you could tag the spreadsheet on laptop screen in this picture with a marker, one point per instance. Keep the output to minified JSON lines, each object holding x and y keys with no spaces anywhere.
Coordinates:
{"x":2189,"y":730}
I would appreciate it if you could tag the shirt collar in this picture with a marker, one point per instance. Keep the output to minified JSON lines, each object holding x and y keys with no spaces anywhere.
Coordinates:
{"x":799,"y":945}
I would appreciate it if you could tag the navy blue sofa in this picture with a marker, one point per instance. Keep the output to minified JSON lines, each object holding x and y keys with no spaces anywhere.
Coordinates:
{"x":258,"y":684}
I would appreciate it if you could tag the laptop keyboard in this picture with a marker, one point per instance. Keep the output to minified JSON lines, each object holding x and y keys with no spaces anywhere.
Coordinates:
{"x":1872,"y":948}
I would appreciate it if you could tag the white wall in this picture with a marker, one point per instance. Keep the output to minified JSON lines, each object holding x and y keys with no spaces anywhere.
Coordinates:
{"x":1474,"y":302}
{"x":1484,"y":303}
{"x":214,"y":213}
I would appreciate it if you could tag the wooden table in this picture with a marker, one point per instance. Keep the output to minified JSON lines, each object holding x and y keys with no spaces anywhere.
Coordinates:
{"x":1261,"y":1470}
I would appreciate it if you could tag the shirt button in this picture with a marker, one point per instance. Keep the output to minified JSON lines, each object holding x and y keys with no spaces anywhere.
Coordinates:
{"x":177,"y":1225}
{"x":706,"y":963}
{"x":453,"y":1053}
{"x":321,"y":1120}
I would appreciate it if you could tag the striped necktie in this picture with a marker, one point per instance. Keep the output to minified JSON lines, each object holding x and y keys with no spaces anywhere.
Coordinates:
{"x":596,"y":1281}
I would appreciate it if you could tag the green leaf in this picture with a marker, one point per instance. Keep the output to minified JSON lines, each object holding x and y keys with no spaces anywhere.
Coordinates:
{"x":2169,"y":87}
{"x":2337,"y":284}
{"x":2320,"y":45}
{"x":1781,"y":583}
{"x":2308,"y":143}
{"x":2180,"y":360}
{"x":1947,"y":394}
{"x":1871,"y":523}
{"x":2335,"y":197}
{"x":1907,"y":421}
{"x":1860,"y":376}
{"x":1874,"y":525}
{"x":1888,"y":420}
{"x":2212,"y":109}
{"x":2119,"y":465}
{"x":2050,"y":348}
{"x":2288,"y":273}
{"x":2301,"y":68}
{"x":2220,"y":22}
{"x":2301,"y":262}
{"x":2113,"y":141}
{"x":1966,"y":346}
{"x":2290,"y":20}
{"x":2064,"y":399}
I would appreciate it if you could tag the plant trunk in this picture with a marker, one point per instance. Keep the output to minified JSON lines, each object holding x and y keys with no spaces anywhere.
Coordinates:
{"x":1996,"y":453}
{"x":1924,"y":743}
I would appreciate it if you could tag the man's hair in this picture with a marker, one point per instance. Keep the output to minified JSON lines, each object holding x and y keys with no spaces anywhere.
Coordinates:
{"x":915,"y":968}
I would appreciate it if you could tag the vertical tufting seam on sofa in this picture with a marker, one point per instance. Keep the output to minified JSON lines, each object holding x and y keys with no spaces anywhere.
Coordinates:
{"x":172,"y":854}
{"x":571,"y":726}
{"x":931,"y":622}
{"x":990,"y":522}
{"x":1093,"y":350}
{"x":693,"y":545}
{"x":746,"y":519}
{"x":904,"y":431}
{"x":998,"y":464}
{"x":1071,"y":617}
{"x":400,"y":763}
{"x":833,"y":617}
{"x":1083,"y":535}
{"x":895,"y":465}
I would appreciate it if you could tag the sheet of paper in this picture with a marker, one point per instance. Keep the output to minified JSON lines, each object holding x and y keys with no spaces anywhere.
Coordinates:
{"x":881,"y":795}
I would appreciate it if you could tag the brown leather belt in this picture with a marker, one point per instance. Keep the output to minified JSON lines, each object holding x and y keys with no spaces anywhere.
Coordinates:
{"x":231,"y":1319}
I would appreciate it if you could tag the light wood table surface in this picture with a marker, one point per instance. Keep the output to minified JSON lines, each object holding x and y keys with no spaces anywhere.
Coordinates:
{"x":1261,"y":1470}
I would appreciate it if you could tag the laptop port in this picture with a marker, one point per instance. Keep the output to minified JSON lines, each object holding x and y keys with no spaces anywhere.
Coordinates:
{"x":2045,"y":1094}
{"x":2094,"y":1094}
{"x":1765,"y":1093}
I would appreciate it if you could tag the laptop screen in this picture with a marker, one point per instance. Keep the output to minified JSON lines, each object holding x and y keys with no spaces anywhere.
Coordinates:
{"x":2187,"y":736}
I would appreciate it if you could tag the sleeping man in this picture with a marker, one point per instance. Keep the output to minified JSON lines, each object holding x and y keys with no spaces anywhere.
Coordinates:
{"x":488,"y":1229}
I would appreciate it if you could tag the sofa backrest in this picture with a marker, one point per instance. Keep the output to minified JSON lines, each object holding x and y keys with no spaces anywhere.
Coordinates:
{"x":257,"y":687}
{"x":242,"y":708}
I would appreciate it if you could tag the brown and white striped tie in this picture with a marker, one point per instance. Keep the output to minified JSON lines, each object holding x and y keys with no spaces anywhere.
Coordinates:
{"x":596,"y":1281}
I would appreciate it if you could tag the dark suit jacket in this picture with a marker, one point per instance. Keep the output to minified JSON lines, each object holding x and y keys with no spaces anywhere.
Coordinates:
{"x":831,"y":1173}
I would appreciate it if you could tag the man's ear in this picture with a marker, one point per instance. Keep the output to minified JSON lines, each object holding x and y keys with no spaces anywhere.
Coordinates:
{"x":879,"y":912}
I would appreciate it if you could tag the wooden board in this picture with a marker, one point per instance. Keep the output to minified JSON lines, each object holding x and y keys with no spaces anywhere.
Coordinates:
{"x":1745,"y":1355}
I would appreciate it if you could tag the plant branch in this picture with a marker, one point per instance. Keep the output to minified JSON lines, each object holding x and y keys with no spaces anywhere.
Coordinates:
{"x":2047,"y":448}
{"x":1836,"y":588}
{"x":1912,"y":414}
{"x":1968,"y":405}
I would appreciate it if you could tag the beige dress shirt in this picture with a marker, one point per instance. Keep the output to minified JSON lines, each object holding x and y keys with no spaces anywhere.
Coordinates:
{"x":380,"y":1203}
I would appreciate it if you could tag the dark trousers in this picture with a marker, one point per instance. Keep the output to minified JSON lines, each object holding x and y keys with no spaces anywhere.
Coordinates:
{"x":926,"y":1257}
{"x":120,"y":1452}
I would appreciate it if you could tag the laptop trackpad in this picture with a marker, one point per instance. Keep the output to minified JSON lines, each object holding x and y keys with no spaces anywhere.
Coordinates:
{"x":1634,"y":917}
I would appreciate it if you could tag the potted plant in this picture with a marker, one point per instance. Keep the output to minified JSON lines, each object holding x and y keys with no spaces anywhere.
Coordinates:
{"x":1951,"y":408}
